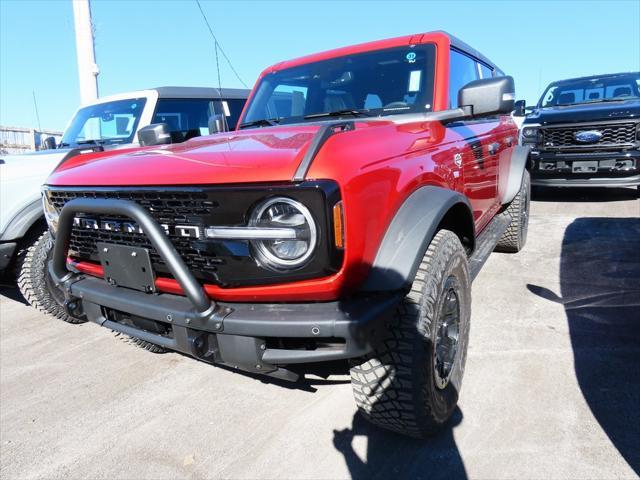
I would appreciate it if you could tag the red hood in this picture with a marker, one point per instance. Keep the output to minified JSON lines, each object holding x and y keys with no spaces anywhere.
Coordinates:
{"x":256,"y":155}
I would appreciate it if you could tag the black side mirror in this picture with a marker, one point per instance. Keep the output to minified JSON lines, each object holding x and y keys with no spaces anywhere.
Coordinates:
{"x":216,"y":124}
{"x":487,"y":97}
{"x":519,"y":108}
{"x":155,"y":134}
{"x":48,"y":143}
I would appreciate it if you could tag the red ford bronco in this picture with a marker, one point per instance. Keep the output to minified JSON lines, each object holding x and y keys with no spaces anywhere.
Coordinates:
{"x":342,"y":222}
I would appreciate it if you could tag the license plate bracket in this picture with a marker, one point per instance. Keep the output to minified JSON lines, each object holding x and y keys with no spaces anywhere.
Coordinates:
{"x":584,"y":166}
{"x":126,"y":266}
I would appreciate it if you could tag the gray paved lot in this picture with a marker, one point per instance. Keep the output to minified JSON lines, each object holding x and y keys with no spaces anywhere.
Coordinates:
{"x":552,"y":387}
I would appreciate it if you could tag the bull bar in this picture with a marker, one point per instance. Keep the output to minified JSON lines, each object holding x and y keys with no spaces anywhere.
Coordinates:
{"x":235,"y":334}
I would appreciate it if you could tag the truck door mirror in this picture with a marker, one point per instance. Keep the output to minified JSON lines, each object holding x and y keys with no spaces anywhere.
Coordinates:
{"x":48,"y":143}
{"x":154,"y":134}
{"x":519,"y":108}
{"x":216,"y":124}
{"x":487,"y":97}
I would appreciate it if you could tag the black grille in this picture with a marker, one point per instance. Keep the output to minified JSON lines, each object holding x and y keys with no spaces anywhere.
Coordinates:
{"x":169,"y":208}
{"x":165,"y":206}
{"x":613,"y":135}
{"x":224,"y":262}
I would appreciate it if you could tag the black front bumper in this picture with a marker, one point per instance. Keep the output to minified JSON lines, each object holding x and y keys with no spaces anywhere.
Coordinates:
{"x":614,"y":169}
{"x":253,"y":337}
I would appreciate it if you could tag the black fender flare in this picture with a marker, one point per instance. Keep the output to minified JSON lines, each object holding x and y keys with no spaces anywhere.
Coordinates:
{"x":518,"y":163}
{"x":409,"y":234}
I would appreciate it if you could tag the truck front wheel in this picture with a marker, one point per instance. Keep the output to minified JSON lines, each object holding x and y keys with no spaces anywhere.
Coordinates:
{"x":514,"y":238}
{"x":411,"y":381}
{"x":38,"y":288}
{"x":34,"y":280}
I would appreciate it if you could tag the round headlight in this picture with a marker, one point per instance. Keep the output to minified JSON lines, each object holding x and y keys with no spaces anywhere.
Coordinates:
{"x":292,"y":251}
{"x":529,"y":132}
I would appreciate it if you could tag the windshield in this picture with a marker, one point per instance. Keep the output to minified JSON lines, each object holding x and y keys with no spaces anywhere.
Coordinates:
{"x":189,"y":117}
{"x":105,"y":123}
{"x":381,"y":82}
{"x":592,"y":89}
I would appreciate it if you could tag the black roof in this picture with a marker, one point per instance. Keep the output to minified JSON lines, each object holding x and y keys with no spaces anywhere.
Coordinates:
{"x":201,"y":92}
{"x":593,"y":77}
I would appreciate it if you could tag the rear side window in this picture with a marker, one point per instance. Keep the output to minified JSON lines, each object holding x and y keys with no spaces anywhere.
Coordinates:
{"x":463,"y":69}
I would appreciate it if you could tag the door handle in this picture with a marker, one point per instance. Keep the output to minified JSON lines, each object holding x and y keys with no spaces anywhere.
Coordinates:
{"x":493,"y":148}
{"x":509,"y":141}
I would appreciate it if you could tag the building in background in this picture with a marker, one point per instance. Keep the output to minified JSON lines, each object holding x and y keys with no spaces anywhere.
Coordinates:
{"x":21,"y":140}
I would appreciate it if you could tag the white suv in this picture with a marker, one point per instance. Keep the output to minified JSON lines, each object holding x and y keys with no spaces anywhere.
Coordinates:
{"x":108,"y":123}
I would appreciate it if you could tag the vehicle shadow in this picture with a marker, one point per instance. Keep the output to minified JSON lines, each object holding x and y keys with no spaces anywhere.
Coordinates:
{"x":581,"y":195}
{"x":390,"y":455}
{"x":11,"y":292}
{"x":600,"y":292}
{"x":393,"y":456}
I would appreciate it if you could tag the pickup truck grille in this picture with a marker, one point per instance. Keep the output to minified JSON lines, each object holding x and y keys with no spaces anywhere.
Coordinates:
{"x":169,"y":208}
{"x":613,"y":135}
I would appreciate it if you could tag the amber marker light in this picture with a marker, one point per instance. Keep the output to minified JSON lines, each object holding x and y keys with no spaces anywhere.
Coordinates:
{"x":338,"y":229}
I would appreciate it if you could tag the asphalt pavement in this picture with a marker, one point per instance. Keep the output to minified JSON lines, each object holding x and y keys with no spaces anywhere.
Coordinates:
{"x":551,"y":389}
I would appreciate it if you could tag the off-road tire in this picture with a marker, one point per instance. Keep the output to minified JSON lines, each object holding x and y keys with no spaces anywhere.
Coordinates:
{"x":151,"y":347}
{"x":38,"y":289}
{"x":517,"y":212}
{"x":33,"y":278}
{"x":395,"y":385}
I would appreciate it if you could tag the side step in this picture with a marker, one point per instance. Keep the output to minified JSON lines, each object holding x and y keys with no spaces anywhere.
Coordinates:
{"x":486,"y":242}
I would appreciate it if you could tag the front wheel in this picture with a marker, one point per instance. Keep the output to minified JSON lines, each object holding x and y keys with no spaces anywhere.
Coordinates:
{"x":411,"y":381}
{"x":517,"y":212}
{"x":38,"y":287}
{"x":34,"y":281}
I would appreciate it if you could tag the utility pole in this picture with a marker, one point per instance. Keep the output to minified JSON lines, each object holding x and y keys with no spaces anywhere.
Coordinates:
{"x":87,"y":68}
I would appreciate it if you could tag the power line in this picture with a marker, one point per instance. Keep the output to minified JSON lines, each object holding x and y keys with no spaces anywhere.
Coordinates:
{"x":218,"y":46}
{"x":35,"y":105}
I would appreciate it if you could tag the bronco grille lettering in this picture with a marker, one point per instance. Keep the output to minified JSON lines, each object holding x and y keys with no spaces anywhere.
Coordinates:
{"x":131,"y":227}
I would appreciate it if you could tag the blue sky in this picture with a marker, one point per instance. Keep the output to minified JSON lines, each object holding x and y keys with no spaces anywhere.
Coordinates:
{"x":148,"y":43}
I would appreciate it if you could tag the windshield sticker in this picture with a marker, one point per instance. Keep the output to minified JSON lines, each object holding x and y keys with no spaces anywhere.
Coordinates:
{"x":414,"y":80}
{"x":411,"y":57}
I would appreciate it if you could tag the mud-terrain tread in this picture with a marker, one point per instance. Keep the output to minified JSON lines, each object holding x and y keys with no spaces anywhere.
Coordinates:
{"x":31,"y":264}
{"x":151,"y":347}
{"x":389,"y":383}
{"x":513,"y":239}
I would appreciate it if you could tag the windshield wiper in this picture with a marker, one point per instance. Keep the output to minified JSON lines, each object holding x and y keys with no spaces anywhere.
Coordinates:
{"x":338,"y":113}
{"x":91,"y":141}
{"x":264,"y":122}
{"x":618,"y":99}
{"x":598,"y":100}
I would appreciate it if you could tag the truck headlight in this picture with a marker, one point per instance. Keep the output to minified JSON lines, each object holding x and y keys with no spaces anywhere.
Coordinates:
{"x":284,"y":253}
{"x":51,"y":213}
{"x":529,"y":134}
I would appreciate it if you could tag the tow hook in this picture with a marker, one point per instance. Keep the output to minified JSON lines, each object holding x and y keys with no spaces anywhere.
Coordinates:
{"x":73,"y":307}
